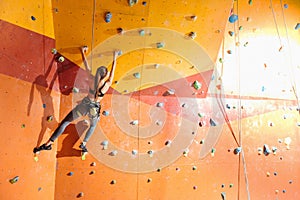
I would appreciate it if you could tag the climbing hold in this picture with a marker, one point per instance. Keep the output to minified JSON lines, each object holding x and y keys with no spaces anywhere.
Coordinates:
{"x":213,"y":150}
{"x":168,"y":143}
{"x":250,"y":2}
{"x":297,"y":26}
{"x":276,"y":191}
{"x":274,"y":150}
{"x":192,"y":35}
{"x":221,"y":60}
{"x":260,"y":150}
{"x":248,"y":19}
{"x":120,"y":30}
{"x":14,"y":180}
{"x":160,"y":45}
{"x":53,"y":51}
{"x":184,"y":105}
{"x":275,"y":174}
{"x":246,"y":44}
{"x":283,"y":191}
{"x":285,"y":5}
{"x":61,"y":59}
{"x":268,"y":174}
{"x":195,"y":187}
{"x":223,"y":185}
{"x":231,"y":185}
{"x":263,"y":88}
{"x":33,"y":18}
{"x":160,"y":104}
{"x":237,"y":150}
{"x":93,"y":164}
{"x":113,"y":153}
{"x":290,"y":181}
{"x":159,"y":123}
{"x":108,"y":17}
{"x":231,"y":33}
{"x":227,"y":106}
{"x":197,"y":85}
{"x":142,"y":32}
{"x":81,"y":194}
{"x":50,"y":118}
{"x":134,"y":152}
{"x":158,"y":170}
{"x":104,"y":144}
{"x":200,"y":115}
{"x":105,"y":112}
{"x":150,"y":152}
{"x":241,"y":28}
{"x":200,"y":124}
{"x":70,"y":174}
{"x":287,"y":142}
{"x":137,"y":75}
{"x":144,"y":3}
{"x":266,"y":150}
{"x":75,"y":90}
{"x":194,"y":168}
{"x":39,"y":189}
{"x":132,"y":2}
{"x":92,"y":172}
{"x":156,"y":66}
{"x":194,"y":17}
{"x":185,"y":152}
{"x":150,"y":142}
{"x":212,"y":122}
{"x":177,"y":169}
{"x":23,"y":126}
{"x":202,"y":142}
{"x":223,"y":195}
{"x":229,"y":51}
{"x":149,"y":180}
{"x":113,"y":182}
{"x":171,"y":91}
{"x":233,"y":18}
{"x":119,"y":52}
{"x":134,"y":122}
{"x":44,"y":105}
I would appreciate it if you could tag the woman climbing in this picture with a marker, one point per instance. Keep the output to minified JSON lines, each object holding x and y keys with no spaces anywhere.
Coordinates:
{"x":90,"y":105}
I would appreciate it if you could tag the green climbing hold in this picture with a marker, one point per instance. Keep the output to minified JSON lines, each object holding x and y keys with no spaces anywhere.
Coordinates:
{"x":250,"y":2}
{"x":197,"y":85}
{"x":160,"y":45}
{"x":23,"y":126}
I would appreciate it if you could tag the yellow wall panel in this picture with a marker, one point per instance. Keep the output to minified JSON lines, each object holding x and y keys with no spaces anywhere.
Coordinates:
{"x":20,"y":12}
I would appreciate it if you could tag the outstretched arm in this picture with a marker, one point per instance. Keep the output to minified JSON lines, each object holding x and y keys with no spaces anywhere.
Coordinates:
{"x":83,"y":50}
{"x":112,"y":71}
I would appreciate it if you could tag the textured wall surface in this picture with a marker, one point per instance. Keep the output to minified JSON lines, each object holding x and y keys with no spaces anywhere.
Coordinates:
{"x":233,"y":134}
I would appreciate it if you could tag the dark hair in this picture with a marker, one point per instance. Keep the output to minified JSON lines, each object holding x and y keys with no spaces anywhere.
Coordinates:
{"x":100,"y":74}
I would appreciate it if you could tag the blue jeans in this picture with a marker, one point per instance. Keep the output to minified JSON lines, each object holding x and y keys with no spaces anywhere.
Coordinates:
{"x":86,"y":107}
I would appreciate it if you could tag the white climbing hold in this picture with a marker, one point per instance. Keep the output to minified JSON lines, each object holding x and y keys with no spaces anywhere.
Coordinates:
{"x":134,"y":122}
{"x":287,"y":142}
{"x":134,"y":152}
{"x":137,"y":75}
{"x":113,"y":153}
{"x":160,"y":104}
{"x":75,"y":90}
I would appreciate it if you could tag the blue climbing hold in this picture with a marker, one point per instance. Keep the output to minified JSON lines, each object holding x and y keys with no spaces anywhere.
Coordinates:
{"x":237,"y":150}
{"x":108,"y":17}
{"x":233,"y":18}
{"x":297,"y":26}
{"x":285,"y":5}
{"x":33,"y":18}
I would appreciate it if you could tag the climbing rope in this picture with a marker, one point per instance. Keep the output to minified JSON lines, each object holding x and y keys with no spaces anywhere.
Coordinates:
{"x":291,"y":71}
{"x":93,"y":32}
{"x":242,"y":154}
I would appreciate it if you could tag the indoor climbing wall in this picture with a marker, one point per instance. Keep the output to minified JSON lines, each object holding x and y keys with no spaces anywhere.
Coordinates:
{"x":204,"y":103}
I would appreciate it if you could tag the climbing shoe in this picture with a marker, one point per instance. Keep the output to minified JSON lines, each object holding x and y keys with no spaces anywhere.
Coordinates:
{"x":83,"y":148}
{"x":43,"y":147}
